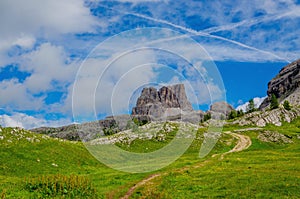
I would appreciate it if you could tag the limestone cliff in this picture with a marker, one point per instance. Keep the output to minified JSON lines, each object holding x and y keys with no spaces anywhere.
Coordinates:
{"x":285,"y":86}
{"x":167,"y":101}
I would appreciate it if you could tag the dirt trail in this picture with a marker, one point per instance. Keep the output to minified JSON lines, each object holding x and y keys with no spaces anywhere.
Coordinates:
{"x":243,"y":143}
{"x":131,"y":190}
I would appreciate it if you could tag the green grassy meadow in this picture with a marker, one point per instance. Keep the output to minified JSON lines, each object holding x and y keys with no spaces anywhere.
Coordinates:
{"x":35,"y":166}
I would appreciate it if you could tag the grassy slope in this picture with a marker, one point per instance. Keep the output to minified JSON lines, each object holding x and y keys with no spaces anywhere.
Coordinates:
{"x":22,"y":159}
{"x":264,"y":170}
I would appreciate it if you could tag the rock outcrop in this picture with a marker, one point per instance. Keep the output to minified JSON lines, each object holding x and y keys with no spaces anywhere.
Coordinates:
{"x":165,"y":103}
{"x":285,"y":86}
{"x":221,"y":107}
{"x":269,"y":136}
{"x":262,"y":118}
{"x":220,"y":110}
{"x":86,"y":131}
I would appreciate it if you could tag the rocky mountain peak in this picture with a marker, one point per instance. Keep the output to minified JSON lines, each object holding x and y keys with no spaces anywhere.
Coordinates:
{"x":179,"y":91}
{"x":286,"y":85}
{"x":156,"y":103}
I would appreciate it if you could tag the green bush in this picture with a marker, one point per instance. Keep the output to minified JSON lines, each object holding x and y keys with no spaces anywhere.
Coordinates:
{"x":251,"y":106}
{"x":60,"y":185}
{"x":206,"y":117}
{"x":274,"y":102}
{"x":287,"y":105}
{"x":232,"y":114}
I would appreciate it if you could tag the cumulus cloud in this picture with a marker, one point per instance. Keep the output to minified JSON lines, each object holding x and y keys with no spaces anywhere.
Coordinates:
{"x":28,"y":122}
{"x":257,"y":103}
{"x":14,"y":96}
{"x":57,"y":17}
{"x":108,"y":88}
{"x":48,"y":64}
{"x":24,"y":22}
{"x":25,"y":41}
{"x":50,"y":70}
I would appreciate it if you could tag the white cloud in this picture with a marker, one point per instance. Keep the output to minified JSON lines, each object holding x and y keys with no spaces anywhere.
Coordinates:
{"x":257,"y":103}
{"x":48,"y":17}
{"x":22,"y":23}
{"x":47,"y":64}
{"x":25,"y":41}
{"x":28,"y":122}
{"x":121,"y":78}
{"x":50,"y":70}
{"x":14,"y":95}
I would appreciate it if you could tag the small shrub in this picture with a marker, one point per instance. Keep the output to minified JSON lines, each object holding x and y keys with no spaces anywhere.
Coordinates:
{"x":287,"y":105}
{"x":206,"y":117}
{"x":232,"y":114}
{"x":240,"y":113}
{"x":274,"y":102}
{"x":60,"y":185}
{"x":251,"y":106}
{"x":140,"y":122}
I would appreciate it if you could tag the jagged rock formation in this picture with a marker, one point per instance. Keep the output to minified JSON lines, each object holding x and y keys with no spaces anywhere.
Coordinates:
{"x":285,"y":86}
{"x":219,"y":110}
{"x":167,"y":102}
{"x":180,"y":93}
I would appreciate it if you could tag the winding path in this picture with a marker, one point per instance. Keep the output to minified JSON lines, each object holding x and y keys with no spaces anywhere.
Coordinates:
{"x":243,"y":143}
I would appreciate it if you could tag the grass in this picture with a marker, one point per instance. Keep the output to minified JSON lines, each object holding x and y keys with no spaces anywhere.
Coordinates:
{"x":30,"y":164}
{"x":265,"y":170}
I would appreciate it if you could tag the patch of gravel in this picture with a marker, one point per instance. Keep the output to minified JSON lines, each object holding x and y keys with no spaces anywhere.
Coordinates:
{"x":269,"y":136}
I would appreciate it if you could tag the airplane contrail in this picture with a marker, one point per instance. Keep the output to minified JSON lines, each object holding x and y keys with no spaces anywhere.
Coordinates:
{"x":206,"y":32}
{"x":250,"y":22}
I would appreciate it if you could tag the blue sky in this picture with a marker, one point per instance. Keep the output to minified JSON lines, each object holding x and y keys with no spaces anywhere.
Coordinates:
{"x":47,"y":46}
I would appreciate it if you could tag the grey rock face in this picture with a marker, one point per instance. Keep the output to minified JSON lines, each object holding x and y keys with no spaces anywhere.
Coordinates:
{"x":220,"y":110}
{"x":180,"y":93}
{"x":262,"y":118}
{"x":285,"y":86}
{"x":167,"y":102}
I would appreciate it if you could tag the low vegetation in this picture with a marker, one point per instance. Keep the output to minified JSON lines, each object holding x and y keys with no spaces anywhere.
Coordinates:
{"x":274,"y":102}
{"x":58,"y":185}
{"x":37,"y":166}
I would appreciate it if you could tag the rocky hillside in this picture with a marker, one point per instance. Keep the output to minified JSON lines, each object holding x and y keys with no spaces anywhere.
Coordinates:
{"x":262,"y":118}
{"x":171,"y":103}
{"x":285,"y":86}
{"x":87,"y":131}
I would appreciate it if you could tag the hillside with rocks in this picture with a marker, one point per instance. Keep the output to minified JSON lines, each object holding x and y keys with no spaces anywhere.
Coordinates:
{"x":170,"y":103}
{"x":285,"y":86}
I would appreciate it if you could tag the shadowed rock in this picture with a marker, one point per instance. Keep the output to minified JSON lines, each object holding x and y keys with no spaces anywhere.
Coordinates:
{"x":285,"y":86}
